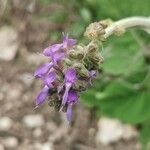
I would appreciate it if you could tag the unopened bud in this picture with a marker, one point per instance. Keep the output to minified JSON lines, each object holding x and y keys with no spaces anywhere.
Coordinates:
{"x":94,"y":30}
{"x":52,"y":100}
{"x":92,"y":48}
{"x":82,"y":71}
{"x":68,"y":62}
{"x":72,"y":54}
{"x":77,"y":53}
{"x":105,"y":23}
{"x":80,"y":85}
{"x":57,"y":105}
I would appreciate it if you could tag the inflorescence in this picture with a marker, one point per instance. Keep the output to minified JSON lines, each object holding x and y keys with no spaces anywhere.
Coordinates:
{"x":70,"y":71}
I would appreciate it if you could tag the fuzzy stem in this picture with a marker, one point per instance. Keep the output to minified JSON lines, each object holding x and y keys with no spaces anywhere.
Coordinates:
{"x":126,"y":23}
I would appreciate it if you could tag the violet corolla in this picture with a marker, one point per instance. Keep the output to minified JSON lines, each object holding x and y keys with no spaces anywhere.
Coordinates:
{"x":70,"y":70}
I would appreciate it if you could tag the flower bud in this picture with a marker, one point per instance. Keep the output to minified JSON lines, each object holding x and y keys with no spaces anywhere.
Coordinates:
{"x":105,"y":23}
{"x":82,"y":71}
{"x":92,"y":48}
{"x":80,"y":85}
{"x":77,"y":53}
{"x":57,"y":105}
{"x":71,"y":54}
{"x":94,"y":30}
{"x":67,"y":62}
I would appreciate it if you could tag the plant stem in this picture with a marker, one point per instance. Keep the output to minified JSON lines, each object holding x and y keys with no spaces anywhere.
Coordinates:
{"x":126,"y":23}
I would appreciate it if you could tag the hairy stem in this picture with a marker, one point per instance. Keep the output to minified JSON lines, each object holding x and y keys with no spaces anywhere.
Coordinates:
{"x":126,"y":23}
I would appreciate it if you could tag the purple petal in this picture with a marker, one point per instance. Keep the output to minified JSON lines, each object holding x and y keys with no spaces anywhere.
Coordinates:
{"x":70,"y":75}
{"x":50,"y":78}
{"x":68,"y":42}
{"x":71,"y":42}
{"x":65,"y":96}
{"x":69,"y":113}
{"x":52,"y":49}
{"x":93,"y":73}
{"x":42,"y":70}
{"x":72,"y":97}
{"x":58,"y":56}
{"x":65,"y":37}
{"x":42,"y":96}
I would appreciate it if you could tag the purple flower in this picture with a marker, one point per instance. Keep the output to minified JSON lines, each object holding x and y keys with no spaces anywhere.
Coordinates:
{"x":68,"y":42}
{"x":42,"y":70}
{"x":70,"y":78}
{"x":63,"y":87}
{"x":42,"y":96}
{"x":50,"y":78}
{"x":72,"y":99}
{"x":57,"y":51}
{"x":93,"y":73}
{"x":51,"y":50}
{"x":57,"y":57}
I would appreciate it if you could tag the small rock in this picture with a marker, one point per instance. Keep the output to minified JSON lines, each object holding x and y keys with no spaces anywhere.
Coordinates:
{"x":33,"y":121}
{"x":27,"y":79}
{"x":10,"y":142}
{"x":43,"y":146}
{"x":47,"y":146}
{"x":1,"y":147}
{"x":37,"y":132}
{"x":51,"y":126}
{"x":37,"y":146}
{"x":129,"y":132}
{"x":33,"y":57}
{"x":14,"y":91}
{"x":9,"y":43}
{"x":5,"y":123}
{"x":112,"y":130}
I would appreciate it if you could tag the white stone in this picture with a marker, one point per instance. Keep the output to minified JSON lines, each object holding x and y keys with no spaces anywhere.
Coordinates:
{"x":27,"y":78}
{"x":14,"y":92}
{"x":5,"y":123}
{"x":33,"y":121}
{"x":129,"y":132}
{"x":10,"y":142}
{"x":47,"y":146}
{"x":37,"y":132}
{"x":43,"y":146}
{"x":1,"y":147}
{"x":112,"y":130}
{"x":8,"y":43}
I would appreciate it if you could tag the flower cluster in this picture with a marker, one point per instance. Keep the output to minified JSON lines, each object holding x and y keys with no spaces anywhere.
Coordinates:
{"x":69,"y":71}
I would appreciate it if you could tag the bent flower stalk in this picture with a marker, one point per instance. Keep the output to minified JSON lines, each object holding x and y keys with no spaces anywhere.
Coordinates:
{"x":70,"y":71}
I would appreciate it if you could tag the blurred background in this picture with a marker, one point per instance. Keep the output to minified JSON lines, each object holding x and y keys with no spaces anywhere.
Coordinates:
{"x":113,"y":115}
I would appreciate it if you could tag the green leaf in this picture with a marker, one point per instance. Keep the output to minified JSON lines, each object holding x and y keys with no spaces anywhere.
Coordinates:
{"x":145,"y":137}
{"x":88,"y":98}
{"x":124,"y":58}
{"x":124,"y":102}
{"x":139,"y":76}
{"x":77,"y":29}
{"x":107,"y":8}
{"x":86,"y":14}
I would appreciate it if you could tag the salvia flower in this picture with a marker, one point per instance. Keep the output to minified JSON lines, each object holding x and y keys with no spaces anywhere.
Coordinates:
{"x":70,"y":78}
{"x":71,"y":99}
{"x":70,"y":70}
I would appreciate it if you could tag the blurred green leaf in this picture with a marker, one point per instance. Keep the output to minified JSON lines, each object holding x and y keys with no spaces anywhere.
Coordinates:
{"x":77,"y":29}
{"x":45,"y":2}
{"x":124,"y":58}
{"x":109,"y":9}
{"x":123,"y":101}
{"x":145,"y":136}
{"x":86,"y":15}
